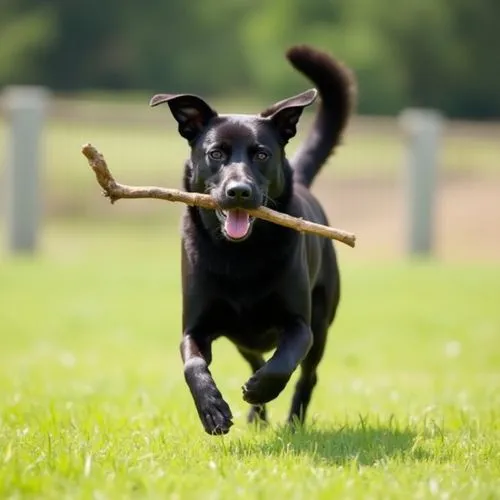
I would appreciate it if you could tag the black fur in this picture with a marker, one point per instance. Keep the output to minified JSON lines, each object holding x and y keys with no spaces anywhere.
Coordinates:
{"x":271,"y":288}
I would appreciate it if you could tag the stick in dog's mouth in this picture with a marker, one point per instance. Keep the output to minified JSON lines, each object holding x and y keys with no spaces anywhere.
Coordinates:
{"x":115,"y":191}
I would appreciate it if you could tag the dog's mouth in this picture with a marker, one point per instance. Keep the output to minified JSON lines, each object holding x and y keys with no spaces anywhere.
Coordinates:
{"x":236,"y":223}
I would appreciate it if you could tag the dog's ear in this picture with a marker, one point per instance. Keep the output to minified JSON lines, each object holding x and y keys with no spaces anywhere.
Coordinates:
{"x":191,"y":112}
{"x":286,"y":114}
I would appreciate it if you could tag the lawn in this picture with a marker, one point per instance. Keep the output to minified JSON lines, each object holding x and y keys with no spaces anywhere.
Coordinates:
{"x":94,"y":405}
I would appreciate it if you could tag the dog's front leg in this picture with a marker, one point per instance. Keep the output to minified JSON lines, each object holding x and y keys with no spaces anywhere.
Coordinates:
{"x":267,"y":382}
{"x":213,"y":411}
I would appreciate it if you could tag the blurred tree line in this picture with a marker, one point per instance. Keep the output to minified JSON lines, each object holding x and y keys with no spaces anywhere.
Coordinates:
{"x":440,"y":53}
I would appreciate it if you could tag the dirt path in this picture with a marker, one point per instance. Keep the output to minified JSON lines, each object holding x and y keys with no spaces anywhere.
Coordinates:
{"x":467,"y":224}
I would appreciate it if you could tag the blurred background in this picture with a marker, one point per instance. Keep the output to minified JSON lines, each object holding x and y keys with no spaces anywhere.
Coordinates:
{"x":90,"y":293}
{"x":101,"y":62}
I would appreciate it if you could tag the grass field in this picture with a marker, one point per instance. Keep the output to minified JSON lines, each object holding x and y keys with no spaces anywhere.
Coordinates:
{"x":93,"y":403}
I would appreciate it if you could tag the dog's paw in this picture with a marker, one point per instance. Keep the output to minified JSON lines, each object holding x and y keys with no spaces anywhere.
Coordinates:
{"x":215,"y":414}
{"x":264,"y":386}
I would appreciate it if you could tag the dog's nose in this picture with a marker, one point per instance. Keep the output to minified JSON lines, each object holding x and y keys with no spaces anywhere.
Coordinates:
{"x":238,"y":190}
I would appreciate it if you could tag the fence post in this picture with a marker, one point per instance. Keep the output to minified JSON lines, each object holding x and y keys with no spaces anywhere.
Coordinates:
{"x":25,"y":107}
{"x":422,"y":128}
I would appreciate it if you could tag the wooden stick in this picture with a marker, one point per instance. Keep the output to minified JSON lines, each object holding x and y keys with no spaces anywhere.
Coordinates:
{"x":114,"y":191}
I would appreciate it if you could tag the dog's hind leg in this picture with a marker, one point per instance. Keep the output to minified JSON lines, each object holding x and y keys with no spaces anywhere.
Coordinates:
{"x":308,"y":376}
{"x":256,"y":361}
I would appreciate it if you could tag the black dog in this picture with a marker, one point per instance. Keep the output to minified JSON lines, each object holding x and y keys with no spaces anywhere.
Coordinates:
{"x":261,"y":285}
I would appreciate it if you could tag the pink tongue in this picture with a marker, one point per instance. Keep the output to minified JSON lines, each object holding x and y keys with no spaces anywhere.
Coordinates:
{"x":237,"y":223}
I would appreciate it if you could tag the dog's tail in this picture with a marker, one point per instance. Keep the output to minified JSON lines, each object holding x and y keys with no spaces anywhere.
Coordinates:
{"x":336,"y":88}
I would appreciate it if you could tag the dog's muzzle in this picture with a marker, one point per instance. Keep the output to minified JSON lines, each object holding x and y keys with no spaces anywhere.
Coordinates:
{"x":238,"y":196}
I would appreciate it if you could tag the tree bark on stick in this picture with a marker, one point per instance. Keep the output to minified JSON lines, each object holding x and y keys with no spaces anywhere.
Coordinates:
{"x":115,"y":191}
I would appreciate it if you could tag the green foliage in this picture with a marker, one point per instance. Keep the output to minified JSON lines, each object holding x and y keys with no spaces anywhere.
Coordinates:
{"x":417,"y":52}
{"x":478,"y":67}
{"x":26,"y":36}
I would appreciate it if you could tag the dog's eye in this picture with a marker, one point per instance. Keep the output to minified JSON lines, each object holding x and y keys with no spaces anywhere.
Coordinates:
{"x":216,"y":154}
{"x":261,"y":156}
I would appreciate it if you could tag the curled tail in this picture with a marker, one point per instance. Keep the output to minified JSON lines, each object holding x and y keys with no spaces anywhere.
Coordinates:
{"x":335,"y":85}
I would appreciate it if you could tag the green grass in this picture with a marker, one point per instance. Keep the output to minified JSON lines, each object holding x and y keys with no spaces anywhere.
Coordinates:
{"x":94,"y":405}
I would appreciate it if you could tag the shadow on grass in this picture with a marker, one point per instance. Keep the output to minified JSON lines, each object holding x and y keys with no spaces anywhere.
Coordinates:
{"x":352,"y":443}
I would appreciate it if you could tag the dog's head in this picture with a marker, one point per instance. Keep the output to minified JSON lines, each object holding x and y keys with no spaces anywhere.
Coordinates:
{"x":237,"y":159}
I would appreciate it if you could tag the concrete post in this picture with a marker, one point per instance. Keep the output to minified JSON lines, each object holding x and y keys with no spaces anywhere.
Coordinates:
{"x":422,"y":128}
{"x":25,"y":107}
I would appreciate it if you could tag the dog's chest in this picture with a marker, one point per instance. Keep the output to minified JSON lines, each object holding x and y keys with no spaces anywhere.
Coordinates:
{"x":257,"y":326}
